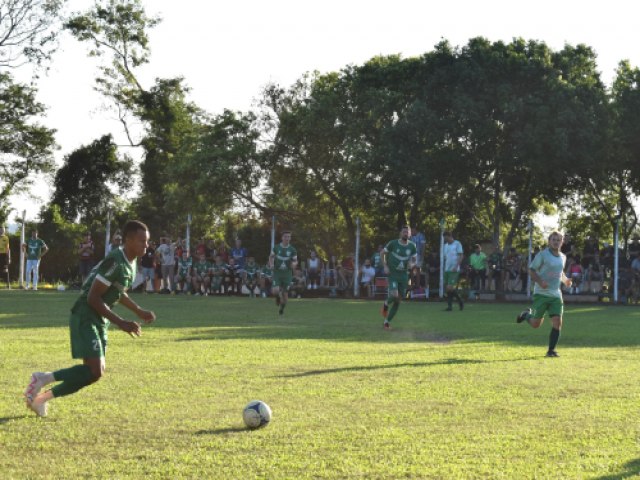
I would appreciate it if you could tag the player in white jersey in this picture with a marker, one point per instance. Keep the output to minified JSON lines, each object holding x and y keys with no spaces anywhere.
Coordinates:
{"x":453,"y":255}
{"x":547,"y":271}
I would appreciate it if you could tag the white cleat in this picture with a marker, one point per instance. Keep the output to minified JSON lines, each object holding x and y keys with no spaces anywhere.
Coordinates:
{"x":39,"y":407}
{"x":34,"y":387}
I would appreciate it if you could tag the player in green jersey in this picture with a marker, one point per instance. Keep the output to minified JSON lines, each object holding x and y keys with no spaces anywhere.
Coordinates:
{"x":91,"y":315}
{"x":182,"y":280}
{"x":35,"y":248}
{"x":398,"y":257}
{"x":217,"y":274}
{"x":282,"y":260}
{"x":547,"y":271}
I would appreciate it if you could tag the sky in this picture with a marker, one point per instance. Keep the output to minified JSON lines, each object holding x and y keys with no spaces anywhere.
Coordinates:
{"x":228,"y":51}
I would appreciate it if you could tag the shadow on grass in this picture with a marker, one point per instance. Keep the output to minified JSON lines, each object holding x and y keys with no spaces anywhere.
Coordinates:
{"x":448,"y":361}
{"x":4,"y":420}
{"x":237,"y":318}
{"x":222,"y":431}
{"x":632,"y":469}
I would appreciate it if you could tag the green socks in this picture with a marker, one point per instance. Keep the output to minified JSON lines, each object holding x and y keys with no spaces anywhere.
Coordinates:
{"x":73,"y":379}
{"x":393,"y":310}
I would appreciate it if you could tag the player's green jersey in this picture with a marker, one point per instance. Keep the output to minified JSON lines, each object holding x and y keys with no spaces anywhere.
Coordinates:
{"x":218,"y":269}
{"x":399,"y":255}
{"x":284,"y":257}
{"x":115,"y":271}
{"x":266,"y":271}
{"x":34,"y":248}
{"x":202,"y":268}
{"x":184,"y":266}
{"x":252,"y":270}
{"x":549,"y":268}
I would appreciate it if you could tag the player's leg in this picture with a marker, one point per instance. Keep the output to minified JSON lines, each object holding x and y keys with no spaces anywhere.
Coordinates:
{"x":36,"y":267}
{"x":400,"y":291}
{"x":555,"y":313}
{"x":390,"y":302}
{"x":285,"y":284}
{"x":534,"y":316}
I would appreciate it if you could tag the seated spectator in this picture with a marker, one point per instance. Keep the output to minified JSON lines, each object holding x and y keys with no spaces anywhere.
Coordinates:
{"x":218,"y":270}
{"x":345,"y":272}
{"x":298,"y":283}
{"x":201,"y":276}
{"x":415,"y":281}
{"x":367,"y":276}
{"x":331,"y":272}
{"x":512,"y":266}
{"x":232,"y":278}
{"x":314,"y":271}
{"x":376,"y":262}
{"x":264,"y":280}
{"x":250,"y":276}
{"x":478,"y":269}
{"x":595,"y":275}
{"x":239,"y":253}
{"x":182,"y":280}
{"x":574,"y":272}
{"x":495,"y":269}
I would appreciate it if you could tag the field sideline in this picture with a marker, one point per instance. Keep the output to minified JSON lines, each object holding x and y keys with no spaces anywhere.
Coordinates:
{"x":443,"y":395}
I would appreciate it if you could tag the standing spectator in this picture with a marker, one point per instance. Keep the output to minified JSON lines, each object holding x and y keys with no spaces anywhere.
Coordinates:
{"x":35,"y":249}
{"x":575,"y":274}
{"x":347,"y":270}
{"x":86,"y":251}
{"x":478,"y":263}
{"x":421,"y":241}
{"x":116,"y":241}
{"x":376,"y":261}
{"x":239,"y":253}
{"x":5,"y":255}
{"x":453,"y":255}
{"x":367,"y":276}
{"x":634,"y":248}
{"x":148,"y":264}
{"x":166,"y":253}
{"x":595,"y":273}
{"x":512,"y":267}
{"x":314,"y":271}
{"x":223,"y":252}
{"x":432,"y":271}
{"x":589,"y":251}
{"x":568,"y":247}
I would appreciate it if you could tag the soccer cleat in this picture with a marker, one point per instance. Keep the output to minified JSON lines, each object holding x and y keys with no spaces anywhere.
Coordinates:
{"x":552,"y":354}
{"x":384,"y":311}
{"x":34,"y":387}
{"x":524,"y":315}
{"x":39,"y":407}
{"x":386,"y":325}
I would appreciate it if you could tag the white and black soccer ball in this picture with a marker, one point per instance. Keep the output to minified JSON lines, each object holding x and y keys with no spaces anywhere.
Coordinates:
{"x":256,"y":414}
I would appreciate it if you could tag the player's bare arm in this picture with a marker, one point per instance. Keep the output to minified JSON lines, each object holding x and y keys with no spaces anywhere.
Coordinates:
{"x":94,"y":299}
{"x":145,"y":315}
{"x":536,"y":278}
{"x":383,"y":258}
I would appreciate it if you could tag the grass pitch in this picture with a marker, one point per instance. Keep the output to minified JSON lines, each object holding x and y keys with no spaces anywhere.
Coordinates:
{"x":443,"y":395}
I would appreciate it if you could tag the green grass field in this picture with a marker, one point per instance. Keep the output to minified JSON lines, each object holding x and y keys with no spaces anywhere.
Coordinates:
{"x":444,"y":395}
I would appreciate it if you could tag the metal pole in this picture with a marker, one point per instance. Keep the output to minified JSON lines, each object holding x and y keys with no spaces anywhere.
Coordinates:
{"x":356,"y":268}
{"x":273,"y":232}
{"x":529,"y":258}
{"x":615,"y":261}
{"x":188,"y":236}
{"x":441,"y":287}
{"x":22,"y":255}
{"x":107,"y":240}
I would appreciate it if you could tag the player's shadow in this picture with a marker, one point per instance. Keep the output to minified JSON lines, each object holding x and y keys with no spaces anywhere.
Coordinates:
{"x":222,"y":431}
{"x":632,"y":469}
{"x":4,"y":420}
{"x":448,"y":361}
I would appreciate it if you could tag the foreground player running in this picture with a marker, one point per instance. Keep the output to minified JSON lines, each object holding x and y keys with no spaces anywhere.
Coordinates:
{"x":398,"y":257}
{"x":282,"y":260}
{"x":90,"y":318}
{"x":547,"y":271}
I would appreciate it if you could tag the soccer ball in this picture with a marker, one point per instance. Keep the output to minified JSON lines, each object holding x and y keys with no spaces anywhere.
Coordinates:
{"x":256,"y":414}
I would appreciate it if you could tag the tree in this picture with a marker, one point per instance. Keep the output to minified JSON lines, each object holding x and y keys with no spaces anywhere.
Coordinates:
{"x":28,"y":31}
{"x":90,"y":181}
{"x":26,"y":147}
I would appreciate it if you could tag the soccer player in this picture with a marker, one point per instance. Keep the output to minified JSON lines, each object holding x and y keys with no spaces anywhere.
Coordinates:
{"x":547,"y":271}
{"x":90,"y":318}
{"x":217,"y":274}
{"x":35,"y":249}
{"x":398,"y":257}
{"x":5,"y":255}
{"x":251,"y":271}
{"x":452,"y":259}
{"x":282,"y":260}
